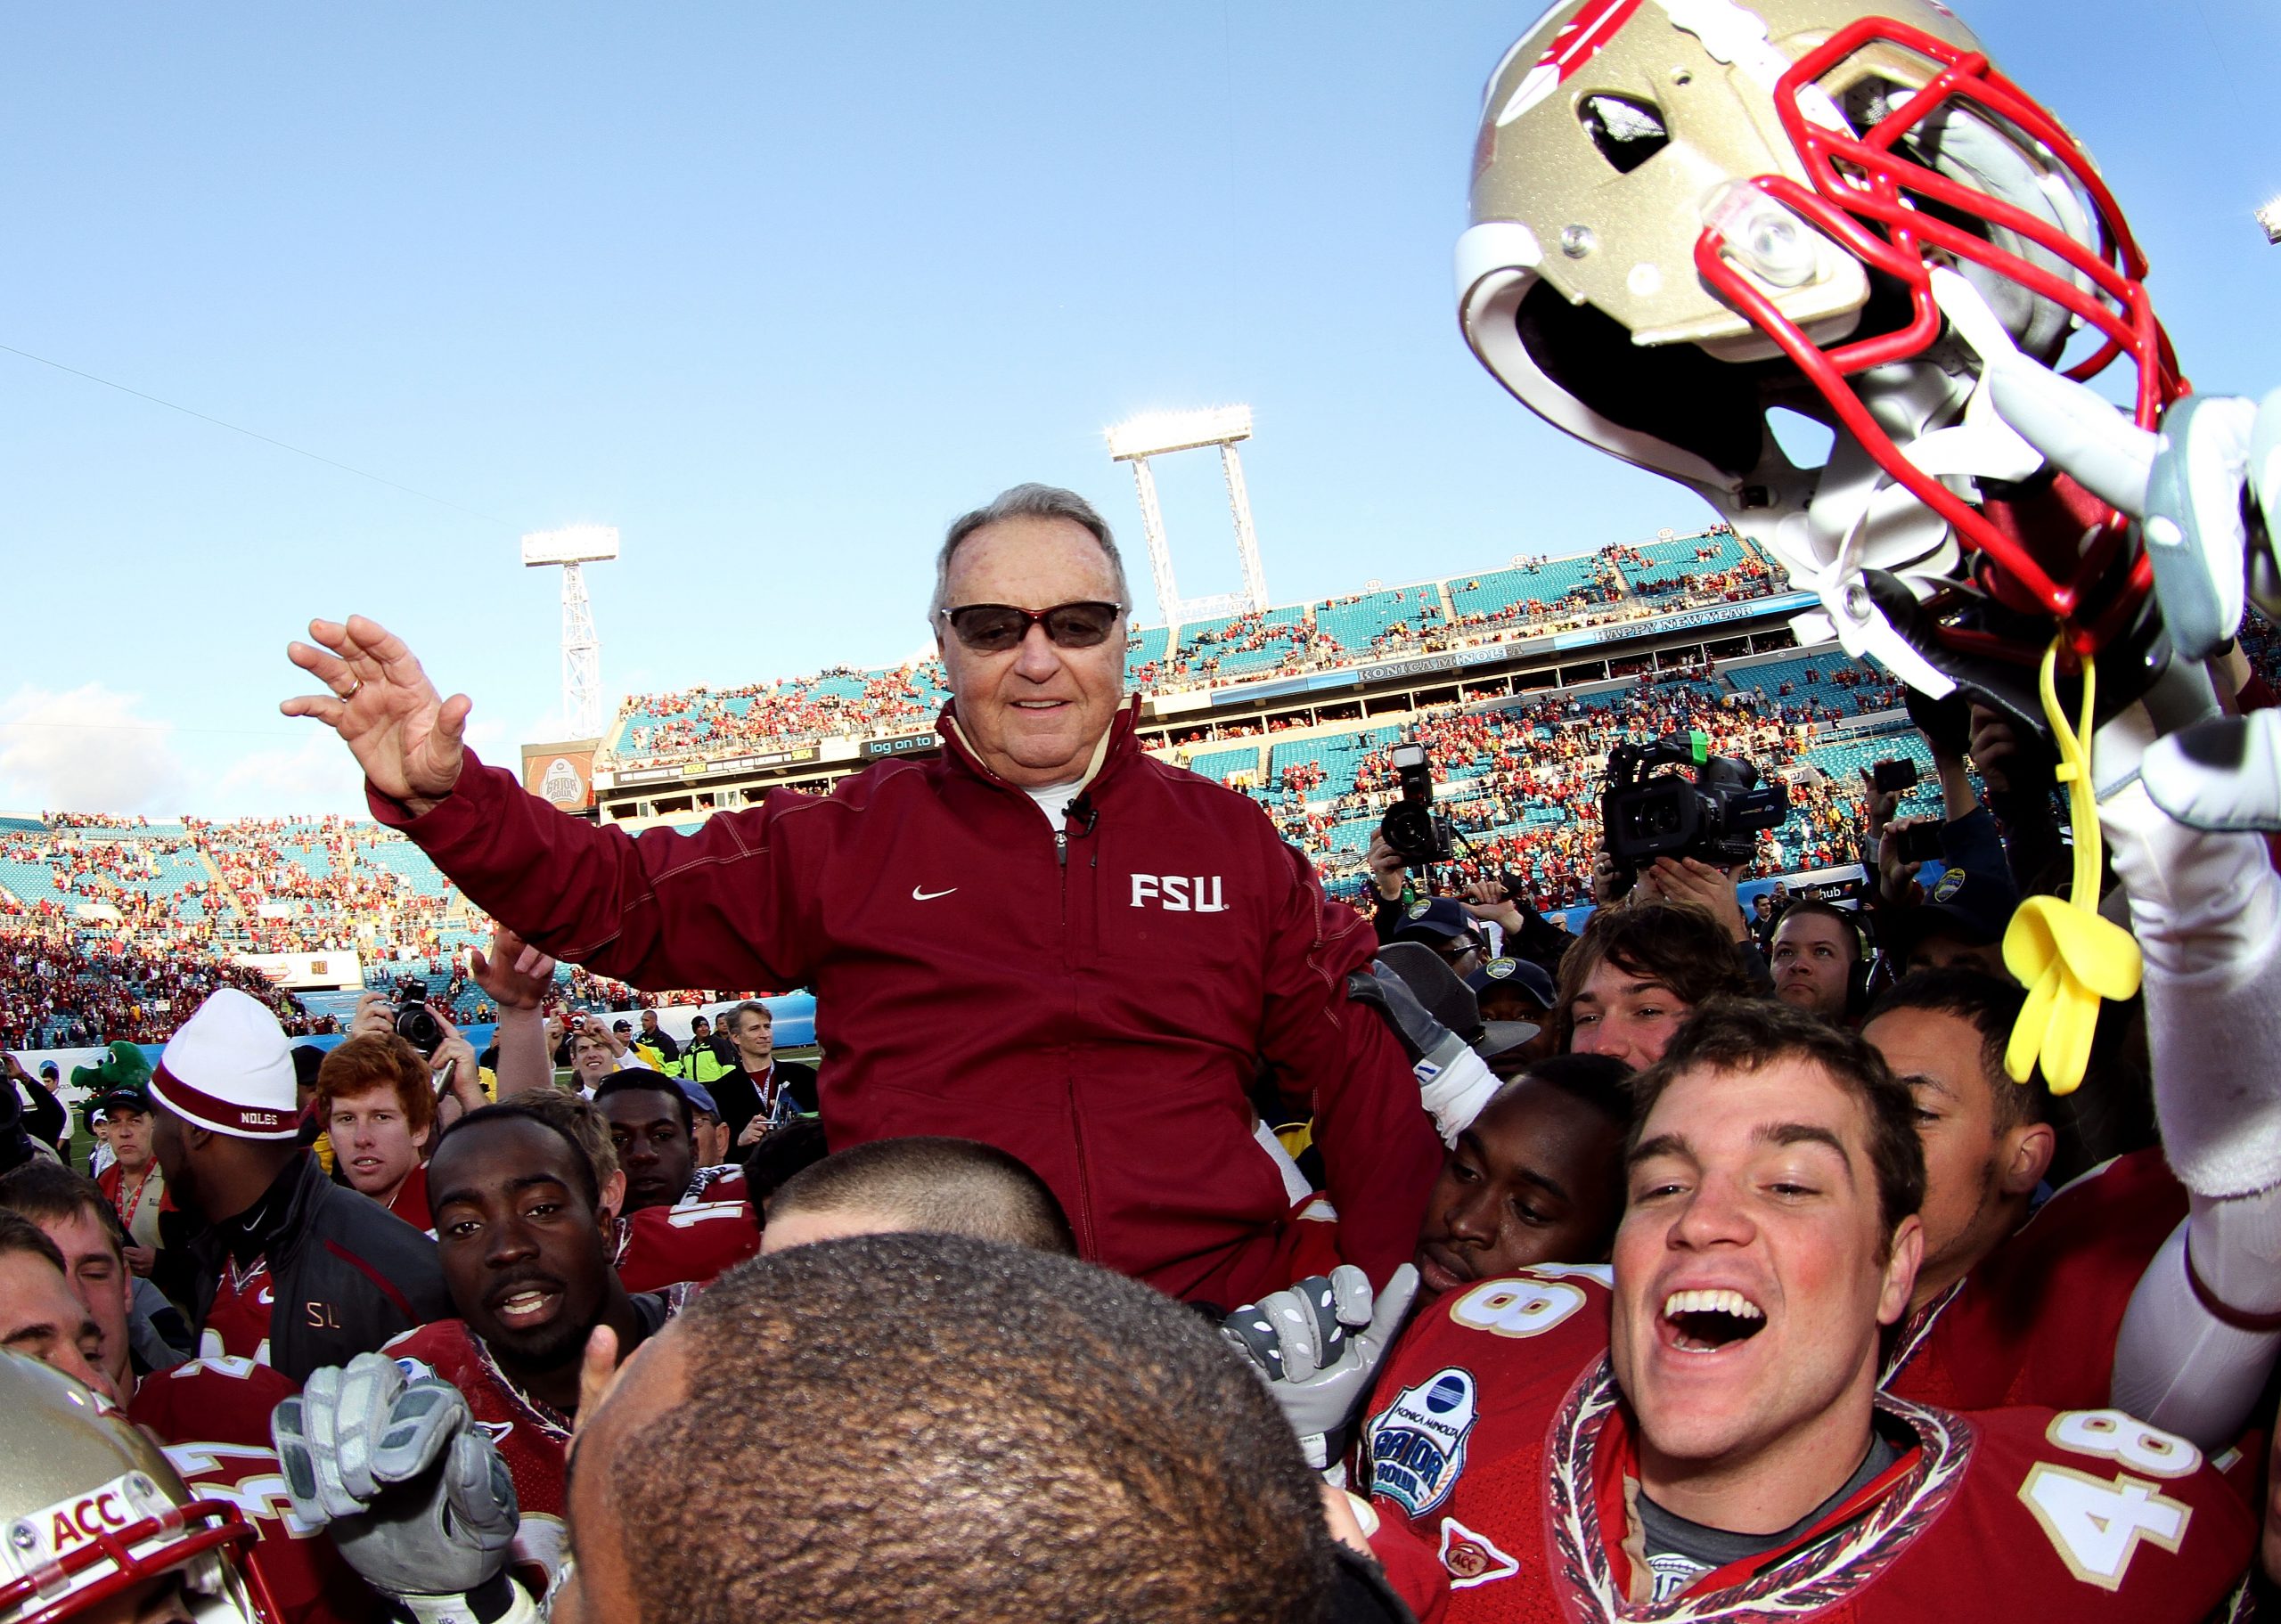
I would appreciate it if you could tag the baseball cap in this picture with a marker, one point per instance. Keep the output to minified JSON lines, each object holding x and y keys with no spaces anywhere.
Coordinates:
{"x":1450,"y":1000}
{"x":1522,"y":975}
{"x":700,"y":1097}
{"x":1498,"y":1036}
{"x":120,"y":1099}
{"x":1973,"y":908}
{"x":1435,"y":917}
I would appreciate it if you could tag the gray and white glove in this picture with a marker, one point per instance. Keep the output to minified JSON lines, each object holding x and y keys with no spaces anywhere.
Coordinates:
{"x":412,"y":1490}
{"x":1318,"y":1344}
{"x":1453,"y":1083}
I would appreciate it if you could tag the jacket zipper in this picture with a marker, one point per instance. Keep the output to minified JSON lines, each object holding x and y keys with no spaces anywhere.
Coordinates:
{"x":1069,"y":1085}
{"x":1084,"y":1216}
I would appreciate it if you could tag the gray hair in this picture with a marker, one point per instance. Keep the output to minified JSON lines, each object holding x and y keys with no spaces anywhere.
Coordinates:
{"x":1026,"y":502}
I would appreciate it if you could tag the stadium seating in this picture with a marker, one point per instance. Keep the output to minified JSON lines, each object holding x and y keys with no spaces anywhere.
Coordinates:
{"x":1338,"y":754}
{"x":1208,"y":643}
{"x":1548,"y":583}
{"x":1147,"y":649}
{"x":1816,"y":677}
{"x":1358,"y":622}
{"x":1220,"y":765}
{"x":1520,"y":775}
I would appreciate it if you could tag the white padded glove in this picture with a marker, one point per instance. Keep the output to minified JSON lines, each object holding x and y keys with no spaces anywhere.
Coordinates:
{"x":411,"y":1489}
{"x":1318,"y":1344}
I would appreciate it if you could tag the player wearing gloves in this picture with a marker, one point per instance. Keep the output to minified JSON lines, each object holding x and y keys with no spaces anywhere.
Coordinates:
{"x":1535,"y":1179}
{"x":410,"y":1489}
{"x":524,"y":1255}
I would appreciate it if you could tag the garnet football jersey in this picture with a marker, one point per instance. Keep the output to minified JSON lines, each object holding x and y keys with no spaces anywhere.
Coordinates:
{"x":2036,"y":1321}
{"x":712,"y":1227}
{"x":1496,"y":1435}
{"x":531,"y":1438}
{"x":410,"y":1203}
{"x":237,"y":1321}
{"x":227,"y":1399}
{"x":213,"y":1416}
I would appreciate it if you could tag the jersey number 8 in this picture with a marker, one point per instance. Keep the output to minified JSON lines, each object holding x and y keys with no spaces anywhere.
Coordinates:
{"x":2096,"y":1523}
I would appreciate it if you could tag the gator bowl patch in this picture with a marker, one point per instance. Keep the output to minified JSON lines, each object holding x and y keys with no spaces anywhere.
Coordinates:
{"x":1417,"y":1443}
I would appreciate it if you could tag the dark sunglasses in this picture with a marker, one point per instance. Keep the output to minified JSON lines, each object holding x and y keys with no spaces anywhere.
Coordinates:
{"x":992,"y":628}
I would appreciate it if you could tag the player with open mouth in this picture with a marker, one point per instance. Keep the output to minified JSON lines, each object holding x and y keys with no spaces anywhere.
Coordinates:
{"x":1696,"y":1430}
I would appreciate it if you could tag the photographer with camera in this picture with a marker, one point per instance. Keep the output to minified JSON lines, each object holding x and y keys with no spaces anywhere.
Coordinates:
{"x":456,"y":1074}
{"x":1962,"y":918}
{"x":1686,"y":836}
{"x":1412,"y":835}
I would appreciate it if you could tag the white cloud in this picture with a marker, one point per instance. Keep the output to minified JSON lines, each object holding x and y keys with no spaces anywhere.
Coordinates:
{"x":88,"y":749}
{"x":94,"y":749}
{"x":316,"y":775}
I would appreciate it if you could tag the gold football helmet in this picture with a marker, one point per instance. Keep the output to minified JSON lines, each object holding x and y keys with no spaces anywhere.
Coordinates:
{"x":91,"y":1512}
{"x":1692,"y":216}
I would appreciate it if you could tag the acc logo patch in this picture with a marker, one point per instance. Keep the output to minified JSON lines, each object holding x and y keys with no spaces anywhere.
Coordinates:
{"x":1418,"y":911}
{"x":1948,"y":884}
{"x":1417,"y":1443}
{"x":1497,"y":969}
{"x":1472,"y":1559}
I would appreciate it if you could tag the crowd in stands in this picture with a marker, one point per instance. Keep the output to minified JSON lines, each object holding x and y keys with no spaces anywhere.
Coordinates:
{"x":1535,"y":596}
{"x":1602,"y":1181}
{"x":701,"y":722}
{"x":1522,"y":779}
{"x":60,"y":991}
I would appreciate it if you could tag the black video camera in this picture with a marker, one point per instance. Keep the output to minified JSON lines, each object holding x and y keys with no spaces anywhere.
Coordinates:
{"x":1411,"y":827}
{"x":413,"y":1022}
{"x":1716,"y":815}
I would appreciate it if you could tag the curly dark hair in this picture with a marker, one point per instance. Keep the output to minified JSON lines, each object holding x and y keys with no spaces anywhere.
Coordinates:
{"x":921,"y":1427}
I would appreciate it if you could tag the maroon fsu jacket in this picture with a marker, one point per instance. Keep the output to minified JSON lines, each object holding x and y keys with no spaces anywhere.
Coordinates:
{"x":1095,"y":1000}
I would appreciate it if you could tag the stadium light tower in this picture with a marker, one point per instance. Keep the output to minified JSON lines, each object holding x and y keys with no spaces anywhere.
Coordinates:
{"x":1160,"y":433}
{"x":571,"y":548}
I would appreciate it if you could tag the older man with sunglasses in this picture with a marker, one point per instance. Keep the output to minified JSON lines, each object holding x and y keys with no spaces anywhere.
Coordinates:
{"x":1040,"y":938}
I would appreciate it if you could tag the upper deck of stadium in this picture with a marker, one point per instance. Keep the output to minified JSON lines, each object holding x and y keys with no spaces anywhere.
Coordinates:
{"x":1527,"y":597}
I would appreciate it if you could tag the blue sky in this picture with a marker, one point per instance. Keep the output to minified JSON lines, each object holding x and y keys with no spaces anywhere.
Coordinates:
{"x":778,"y":290}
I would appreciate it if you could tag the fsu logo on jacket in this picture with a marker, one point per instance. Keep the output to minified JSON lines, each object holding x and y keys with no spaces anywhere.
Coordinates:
{"x":1180,"y":893}
{"x":1416,"y":1445}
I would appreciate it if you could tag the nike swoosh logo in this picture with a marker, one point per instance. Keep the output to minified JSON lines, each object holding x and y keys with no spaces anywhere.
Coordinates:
{"x":918,"y":895}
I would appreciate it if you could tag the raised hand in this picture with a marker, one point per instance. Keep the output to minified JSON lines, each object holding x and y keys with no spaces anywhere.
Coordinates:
{"x":1318,"y":1343}
{"x":375,"y":1016}
{"x":410,"y":742}
{"x":516,"y":975}
{"x":412,"y":1490}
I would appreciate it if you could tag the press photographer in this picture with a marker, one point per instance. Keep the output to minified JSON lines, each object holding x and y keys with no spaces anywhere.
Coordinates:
{"x":1412,"y":834}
